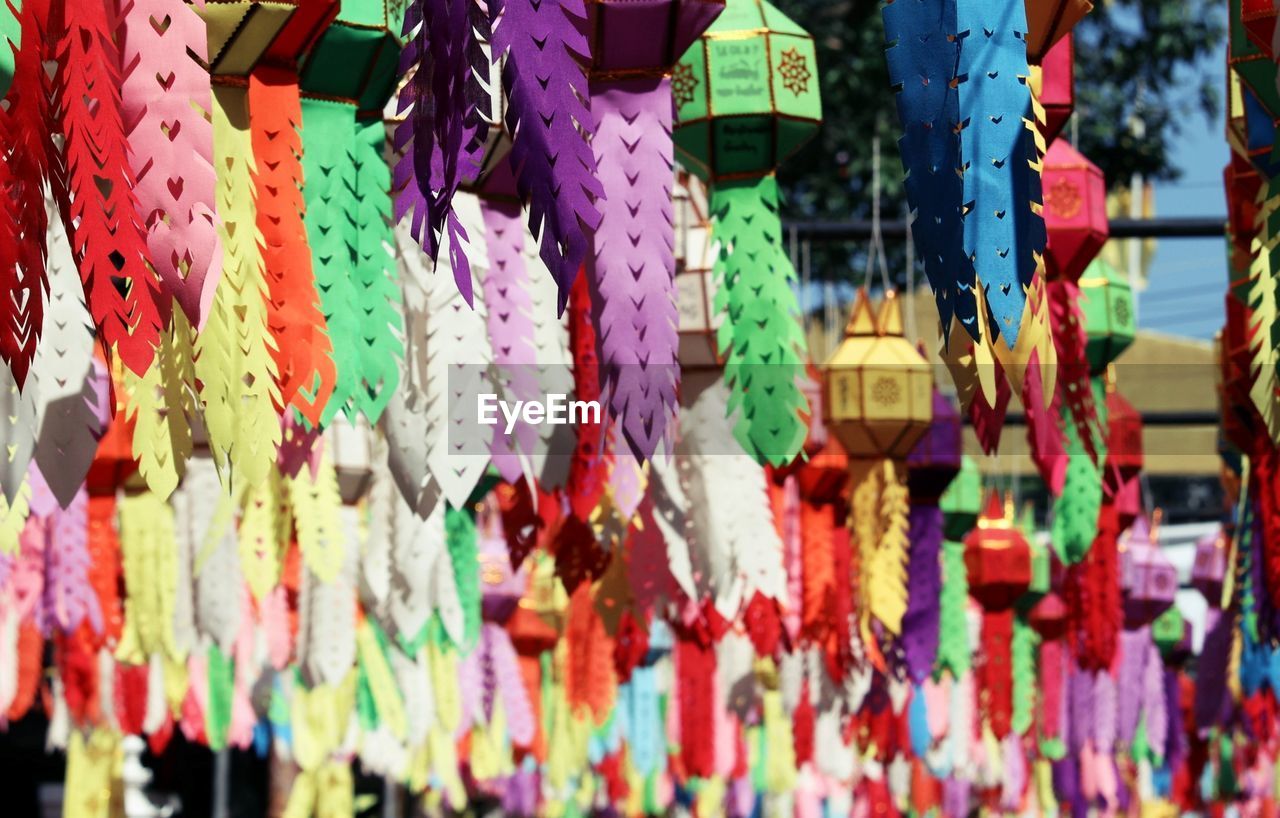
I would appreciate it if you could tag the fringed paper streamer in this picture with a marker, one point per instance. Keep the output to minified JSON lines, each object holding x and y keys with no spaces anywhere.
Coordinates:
{"x":817,"y":523}
{"x":414,"y":411}
{"x":418,"y":558}
{"x":589,"y":682}
{"x":1069,"y":339}
{"x":1044,"y":435}
{"x":73,"y":393}
{"x":920,"y":622}
{"x":512,"y":327}
{"x":329,"y":135}
{"x":18,"y":424}
{"x":69,"y":599}
{"x":995,"y":671}
{"x":376,"y":277}
{"x":1003,"y":230}
{"x":161,"y":404}
{"x":760,"y":335}
{"x":886,"y":576}
{"x":376,"y":676}
{"x":263,"y":535}
{"x":150,"y":574}
{"x":102,"y":213}
{"x":300,"y":344}
{"x":632,"y":274}
{"x":588,"y":470}
{"x":548,"y":116}
{"x":552,"y":351}
{"x":10,"y":30}
{"x":1023,"y":670}
{"x":92,"y":760}
{"x":733,"y":543}
{"x":13,"y":518}
{"x":1093,"y":596}
{"x":216,"y":576}
{"x":1075,"y":512}
{"x":923,"y":56}
{"x":460,"y":538}
{"x":440,"y":140}
{"x":1264,"y":312}
{"x":105,"y":567}
{"x":26,"y":128}
{"x":953,"y":632}
{"x":233,"y":362}
{"x":316,"y":504}
{"x":165,"y":100}
{"x":327,"y":621}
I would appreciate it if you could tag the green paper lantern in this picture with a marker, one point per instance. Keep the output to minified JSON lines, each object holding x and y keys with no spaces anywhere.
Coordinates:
{"x":1106,"y":299}
{"x":962,"y":501}
{"x":357,"y":55}
{"x":746,"y":93}
{"x":1168,"y":630}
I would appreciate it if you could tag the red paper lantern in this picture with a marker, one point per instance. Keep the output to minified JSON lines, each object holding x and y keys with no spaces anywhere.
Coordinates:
{"x":1124,"y":438}
{"x":997,"y":558}
{"x":1049,"y":616}
{"x":1058,"y":87}
{"x":1075,"y":211}
{"x":1259,"y":18}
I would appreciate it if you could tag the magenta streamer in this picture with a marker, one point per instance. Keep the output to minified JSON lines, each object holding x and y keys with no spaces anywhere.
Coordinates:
{"x":1133,"y":657}
{"x":550,"y":124}
{"x":511,"y":327}
{"x":632,"y":274}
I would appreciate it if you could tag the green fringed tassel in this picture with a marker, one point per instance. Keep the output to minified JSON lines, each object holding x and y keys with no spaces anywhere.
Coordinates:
{"x":1025,"y":643}
{"x":366,"y":709}
{"x":1075,"y":513}
{"x":217,"y":714}
{"x":376,"y":280}
{"x":953,"y":629}
{"x":460,"y":537}
{"x":329,"y":140}
{"x":760,"y":335}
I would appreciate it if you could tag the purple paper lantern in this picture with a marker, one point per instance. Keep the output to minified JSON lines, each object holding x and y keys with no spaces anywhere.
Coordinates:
{"x":1209,"y":571}
{"x":645,"y":36}
{"x":1148,"y":580}
{"x":935,"y":460}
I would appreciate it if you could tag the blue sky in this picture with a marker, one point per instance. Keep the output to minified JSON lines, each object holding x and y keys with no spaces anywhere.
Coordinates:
{"x":1188,"y":277}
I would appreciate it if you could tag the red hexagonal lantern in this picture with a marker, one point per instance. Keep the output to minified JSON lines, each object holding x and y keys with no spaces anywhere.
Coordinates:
{"x":1259,"y":18}
{"x":1124,"y":439}
{"x":1075,"y":211}
{"x":1058,"y":87}
{"x":998,"y":561}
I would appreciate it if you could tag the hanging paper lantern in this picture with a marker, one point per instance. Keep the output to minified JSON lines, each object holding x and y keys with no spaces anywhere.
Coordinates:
{"x":1259,"y":20}
{"x":1209,"y":569}
{"x":747,"y":98}
{"x":1048,"y":21}
{"x":1147,"y":577}
{"x":698,"y":317}
{"x":824,"y":475}
{"x":1075,"y":211}
{"x":1124,"y":438}
{"x":1057,"y":93}
{"x":961,"y":503}
{"x":878,"y":404}
{"x":1169,"y":632}
{"x":1106,"y":300}
{"x":998,"y":561}
{"x":878,"y":393}
{"x":356,"y":55}
{"x":241,"y":31}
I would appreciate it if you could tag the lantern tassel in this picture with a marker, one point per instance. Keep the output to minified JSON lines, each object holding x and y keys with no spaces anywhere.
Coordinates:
{"x":300,"y":344}
{"x":1074,"y":386}
{"x":922,"y":56}
{"x":161,"y":404}
{"x":26,"y":133}
{"x":886,"y":577}
{"x":166,"y":97}
{"x":920,"y":622}
{"x":551,"y":124}
{"x":632,"y":272}
{"x":233,"y":363}
{"x":760,"y":335}
{"x":996,"y":670}
{"x":101,"y":213}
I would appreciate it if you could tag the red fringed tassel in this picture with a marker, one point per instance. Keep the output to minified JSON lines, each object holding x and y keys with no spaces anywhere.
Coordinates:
{"x":589,"y":679}
{"x":995,"y":690}
{"x":987,"y":419}
{"x":839,"y":636}
{"x":130,"y":697}
{"x":1093,"y":597}
{"x":1074,"y":387}
{"x":588,"y":471}
{"x":802,"y":725}
{"x":30,"y":670}
{"x":1053,"y":671}
{"x":520,"y":521}
{"x":101,"y":212}
{"x":300,"y":347}
{"x":77,"y":661}
{"x":696,"y":671}
{"x":817,"y":567}
{"x":104,"y":568}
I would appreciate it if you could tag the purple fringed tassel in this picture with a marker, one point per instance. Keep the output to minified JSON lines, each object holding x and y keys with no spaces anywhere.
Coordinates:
{"x":1066,"y":781}
{"x":924,"y":588}
{"x":632,"y":274}
{"x":955,"y":797}
{"x":1080,"y":724}
{"x":551,"y":125}
{"x":441,"y":139}
{"x":1212,"y":700}
{"x":1153,"y":705}
{"x":68,"y":596}
{"x":1104,"y":712}
{"x":511,"y":328}
{"x":1133,"y":657}
{"x":1176,"y":746}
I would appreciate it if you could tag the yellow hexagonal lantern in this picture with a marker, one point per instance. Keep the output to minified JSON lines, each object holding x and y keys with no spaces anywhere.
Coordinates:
{"x":878,"y":396}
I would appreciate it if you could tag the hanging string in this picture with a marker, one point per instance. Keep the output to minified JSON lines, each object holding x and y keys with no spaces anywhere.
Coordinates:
{"x":876,"y":252}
